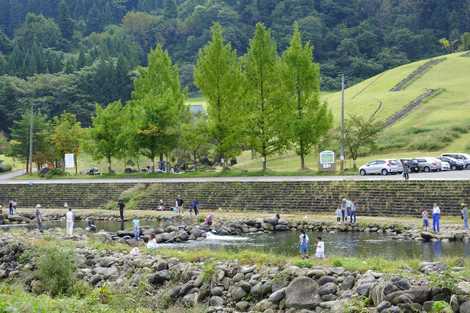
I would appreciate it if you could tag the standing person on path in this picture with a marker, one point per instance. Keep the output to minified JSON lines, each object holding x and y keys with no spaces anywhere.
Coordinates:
{"x":194,"y":207}
{"x":38,"y":217}
{"x":406,"y":171}
{"x":10,"y":207}
{"x":121,"y":206}
{"x":320,"y":251}
{"x":303,"y":244}
{"x":425,"y":217}
{"x":349,"y":210}
{"x":436,"y":218}
{"x":69,"y":217}
{"x":353,"y":212}
{"x":179,"y":204}
{"x":465,"y":216}
{"x":343,"y":209}
{"x":14,"y":207}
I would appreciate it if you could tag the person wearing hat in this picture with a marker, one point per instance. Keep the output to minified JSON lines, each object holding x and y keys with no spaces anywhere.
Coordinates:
{"x":69,"y":220}
{"x":464,"y":212}
{"x":38,"y":217}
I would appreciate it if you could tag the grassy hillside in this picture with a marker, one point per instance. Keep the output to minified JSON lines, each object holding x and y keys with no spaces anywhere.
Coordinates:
{"x":441,"y":123}
{"x":438,"y":125}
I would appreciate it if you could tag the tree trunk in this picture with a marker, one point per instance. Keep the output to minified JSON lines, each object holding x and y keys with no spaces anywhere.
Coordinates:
{"x":110,"y":170}
{"x":302,"y":161}
{"x":76,"y":165}
{"x":153,"y":164}
{"x":265,"y":163}
{"x":302,"y":155}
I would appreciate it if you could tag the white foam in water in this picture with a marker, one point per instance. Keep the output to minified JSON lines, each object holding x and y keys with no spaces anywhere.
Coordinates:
{"x":211,"y":236}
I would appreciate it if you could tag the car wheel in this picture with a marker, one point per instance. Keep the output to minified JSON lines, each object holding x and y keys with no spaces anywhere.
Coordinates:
{"x":454,"y":167}
{"x":467,"y":166}
{"x":362,"y":172}
{"x":427,"y":169}
{"x":384,"y":172}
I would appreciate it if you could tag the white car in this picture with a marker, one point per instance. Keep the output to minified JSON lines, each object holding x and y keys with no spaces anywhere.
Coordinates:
{"x":382,"y":167}
{"x":445,"y":166}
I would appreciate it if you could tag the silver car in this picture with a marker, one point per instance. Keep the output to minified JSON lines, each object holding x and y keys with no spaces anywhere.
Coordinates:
{"x":465,"y":158}
{"x":427,"y":164}
{"x":382,"y":167}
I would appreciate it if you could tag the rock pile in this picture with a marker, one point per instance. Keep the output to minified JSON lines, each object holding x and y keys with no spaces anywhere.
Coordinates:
{"x":231,"y":287}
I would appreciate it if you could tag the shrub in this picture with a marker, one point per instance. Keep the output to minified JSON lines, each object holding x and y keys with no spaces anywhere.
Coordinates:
{"x":4,"y":167}
{"x":441,"y":307}
{"x":55,"y":270}
{"x":54,"y":173}
{"x":446,"y":280}
{"x":304,"y":264}
{"x":357,"y":305}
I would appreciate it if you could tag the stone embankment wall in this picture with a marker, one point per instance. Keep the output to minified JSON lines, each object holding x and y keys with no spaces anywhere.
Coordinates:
{"x":373,"y":197}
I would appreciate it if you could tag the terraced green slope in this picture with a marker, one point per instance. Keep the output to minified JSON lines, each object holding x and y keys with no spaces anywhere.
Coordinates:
{"x":439,"y":123}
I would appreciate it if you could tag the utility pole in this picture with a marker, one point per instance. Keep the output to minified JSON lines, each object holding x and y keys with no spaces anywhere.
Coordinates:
{"x":341,"y":157}
{"x":31,"y":121}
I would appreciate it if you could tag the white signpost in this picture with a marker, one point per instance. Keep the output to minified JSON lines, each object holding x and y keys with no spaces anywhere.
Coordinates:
{"x":69,"y":160}
{"x":327,"y":161}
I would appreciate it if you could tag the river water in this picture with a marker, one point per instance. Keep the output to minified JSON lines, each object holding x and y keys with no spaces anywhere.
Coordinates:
{"x":354,"y":244}
{"x":363,"y":245}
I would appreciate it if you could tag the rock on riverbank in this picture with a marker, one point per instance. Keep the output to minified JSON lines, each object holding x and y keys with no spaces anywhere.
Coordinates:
{"x":233,"y":287}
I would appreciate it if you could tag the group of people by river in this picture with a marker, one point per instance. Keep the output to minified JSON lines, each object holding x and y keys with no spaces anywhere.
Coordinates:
{"x":436,"y":217}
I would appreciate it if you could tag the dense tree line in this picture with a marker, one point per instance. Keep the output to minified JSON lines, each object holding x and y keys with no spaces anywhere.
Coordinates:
{"x":72,"y":43}
{"x":261,"y":101}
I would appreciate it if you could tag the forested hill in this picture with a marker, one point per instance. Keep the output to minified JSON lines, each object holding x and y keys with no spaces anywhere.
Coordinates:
{"x":84,"y":50}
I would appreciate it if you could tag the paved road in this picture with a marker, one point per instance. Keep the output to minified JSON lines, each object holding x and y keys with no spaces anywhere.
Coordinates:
{"x":454,"y":175}
{"x":11,"y":175}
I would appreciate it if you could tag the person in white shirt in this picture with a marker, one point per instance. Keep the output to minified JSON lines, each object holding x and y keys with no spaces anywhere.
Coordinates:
{"x":152,"y":243}
{"x":69,"y":217}
{"x":320,"y":251}
{"x":436,"y":218}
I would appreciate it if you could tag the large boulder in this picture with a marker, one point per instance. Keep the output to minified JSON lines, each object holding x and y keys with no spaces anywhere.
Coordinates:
{"x":302,"y":293}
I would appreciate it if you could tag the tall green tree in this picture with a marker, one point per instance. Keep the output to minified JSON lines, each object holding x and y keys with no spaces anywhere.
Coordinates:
{"x":20,"y":137}
{"x":263,"y":110}
{"x":66,"y":136}
{"x":218,"y":76}
{"x":158,"y":105}
{"x":307,"y":118}
{"x":105,"y":137}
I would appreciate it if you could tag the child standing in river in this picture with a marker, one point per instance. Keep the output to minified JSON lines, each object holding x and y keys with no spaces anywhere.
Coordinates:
{"x":338,"y":215}
{"x":320,"y":251}
{"x":303,"y":243}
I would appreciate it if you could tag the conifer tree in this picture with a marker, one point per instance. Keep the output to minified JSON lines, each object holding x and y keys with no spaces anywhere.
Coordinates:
{"x":308,"y":120}
{"x":263,"y":111}
{"x":218,"y":76}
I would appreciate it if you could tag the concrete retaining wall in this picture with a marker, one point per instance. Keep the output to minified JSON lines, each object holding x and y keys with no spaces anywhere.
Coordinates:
{"x":373,"y":197}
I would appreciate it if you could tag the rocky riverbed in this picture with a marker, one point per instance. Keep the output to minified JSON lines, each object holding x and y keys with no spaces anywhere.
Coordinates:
{"x":228,"y":286}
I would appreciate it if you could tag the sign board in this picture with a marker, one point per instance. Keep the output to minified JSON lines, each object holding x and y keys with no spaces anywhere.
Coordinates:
{"x":69,"y":160}
{"x":327,"y":161}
